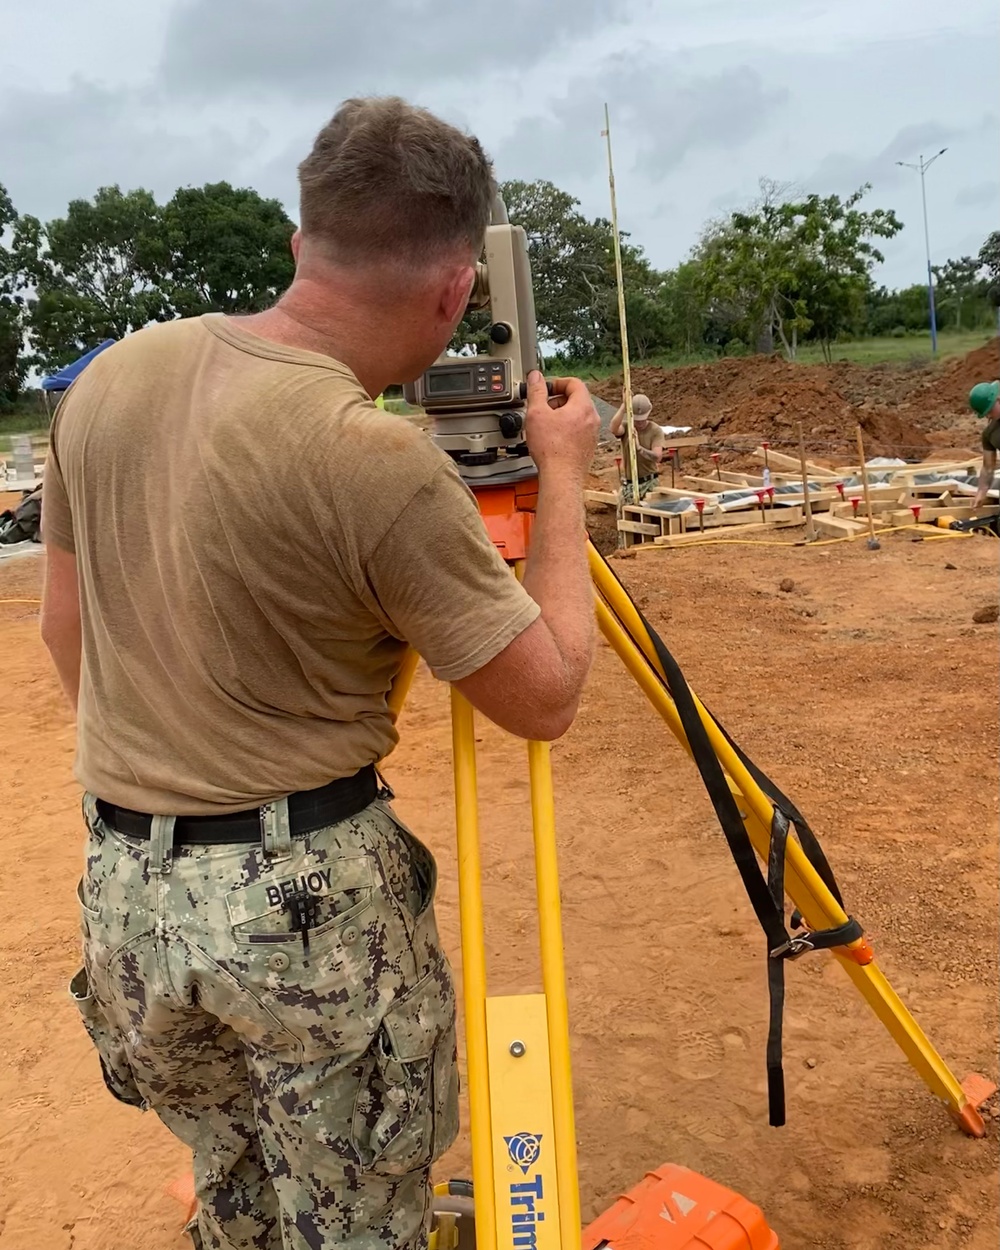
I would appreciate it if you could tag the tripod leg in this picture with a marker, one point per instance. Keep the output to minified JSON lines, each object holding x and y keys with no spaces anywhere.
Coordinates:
{"x":803,"y":885}
{"x":401,"y":684}
{"x":473,"y":967}
{"x":554,"y":986}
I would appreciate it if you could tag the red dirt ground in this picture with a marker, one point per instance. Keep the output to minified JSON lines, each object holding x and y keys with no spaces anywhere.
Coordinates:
{"x":866,"y":692}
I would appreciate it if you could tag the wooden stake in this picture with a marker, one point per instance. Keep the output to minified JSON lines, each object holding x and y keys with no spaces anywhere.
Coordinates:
{"x":810,"y":523}
{"x":873,"y":542}
{"x":622,"y":322}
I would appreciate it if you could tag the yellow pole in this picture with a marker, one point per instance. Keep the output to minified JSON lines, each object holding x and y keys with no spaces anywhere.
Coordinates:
{"x":401,"y":684}
{"x":470,"y":900}
{"x":803,"y":884}
{"x":872,"y":540}
{"x":622,"y":320}
{"x":806,"y":499}
{"x":554,"y":985}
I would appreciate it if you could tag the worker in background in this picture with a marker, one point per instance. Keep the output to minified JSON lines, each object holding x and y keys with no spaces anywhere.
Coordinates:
{"x":262,"y":965}
{"x":984,"y":400}
{"x":650,"y":445}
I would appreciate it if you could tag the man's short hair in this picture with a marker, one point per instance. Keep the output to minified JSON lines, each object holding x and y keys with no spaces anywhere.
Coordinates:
{"x":386,"y":181}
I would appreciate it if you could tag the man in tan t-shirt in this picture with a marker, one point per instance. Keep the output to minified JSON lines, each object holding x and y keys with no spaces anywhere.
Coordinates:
{"x":241,"y":546}
{"x":649,"y":443}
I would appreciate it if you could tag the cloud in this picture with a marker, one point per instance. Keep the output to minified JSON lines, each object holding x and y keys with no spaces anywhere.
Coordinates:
{"x":660,"y":115}
{"x":842,"y":173}
{"x":61,"y":145}
{"x":983,"y":194}
{"x":721,"y":112}
{"x":307,"y":48}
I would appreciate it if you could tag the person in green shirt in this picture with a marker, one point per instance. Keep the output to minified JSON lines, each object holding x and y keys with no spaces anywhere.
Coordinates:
{"x":984,"y":400}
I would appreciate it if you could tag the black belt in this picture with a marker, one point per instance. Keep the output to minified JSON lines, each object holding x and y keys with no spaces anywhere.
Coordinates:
{"x":308,"y":810}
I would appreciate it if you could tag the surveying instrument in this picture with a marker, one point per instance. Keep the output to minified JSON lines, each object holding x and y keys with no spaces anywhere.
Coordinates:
{"x":524,"y":1166}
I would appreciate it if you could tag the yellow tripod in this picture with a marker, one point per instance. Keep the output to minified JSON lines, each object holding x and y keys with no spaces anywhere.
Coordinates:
{"x":523,"y":1137}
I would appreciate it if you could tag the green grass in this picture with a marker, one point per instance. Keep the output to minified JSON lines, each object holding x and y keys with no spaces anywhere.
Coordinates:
{"x":913,"y":350}
{"x":7,"y":432}
{"x":27,"y":417}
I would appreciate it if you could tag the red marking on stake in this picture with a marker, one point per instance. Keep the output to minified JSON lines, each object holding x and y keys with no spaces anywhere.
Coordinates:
{"x":915,"y":509}
{"x":855,"y":502}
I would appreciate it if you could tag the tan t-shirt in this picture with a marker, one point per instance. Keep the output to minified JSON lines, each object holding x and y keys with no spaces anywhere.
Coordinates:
{"x":650,"y":437}
{"x":256,"y":543}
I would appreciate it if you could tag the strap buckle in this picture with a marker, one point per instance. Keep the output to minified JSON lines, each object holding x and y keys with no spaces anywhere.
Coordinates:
{"x":794,"y":948}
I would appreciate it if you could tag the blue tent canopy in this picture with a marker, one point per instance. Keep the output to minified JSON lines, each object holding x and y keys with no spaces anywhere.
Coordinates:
{"x":60,"y":381}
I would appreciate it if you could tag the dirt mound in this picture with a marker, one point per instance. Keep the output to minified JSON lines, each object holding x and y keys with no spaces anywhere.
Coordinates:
{"x":944,"y":397}
{"x":904,"y":410}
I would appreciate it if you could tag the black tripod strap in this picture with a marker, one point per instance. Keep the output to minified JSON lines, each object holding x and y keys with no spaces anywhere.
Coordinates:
{"x":810,"y":844}
{"x":776,"y":974}
{"x":767,"y":897}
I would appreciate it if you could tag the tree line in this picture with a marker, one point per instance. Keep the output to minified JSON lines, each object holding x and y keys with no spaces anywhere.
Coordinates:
{"x":788,"y":268}
{"x":120,"y":261}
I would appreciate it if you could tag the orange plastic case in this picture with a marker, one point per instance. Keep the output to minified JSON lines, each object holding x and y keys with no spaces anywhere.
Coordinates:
{"x":676,"y":1209}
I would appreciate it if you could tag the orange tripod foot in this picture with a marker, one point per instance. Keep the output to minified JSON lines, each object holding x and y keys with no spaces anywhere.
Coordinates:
{"x":182,"y":1190}
{"x":977,"y":1090}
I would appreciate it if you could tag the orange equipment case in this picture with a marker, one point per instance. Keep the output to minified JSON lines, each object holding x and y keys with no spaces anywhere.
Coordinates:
{"x":675,"y":1209}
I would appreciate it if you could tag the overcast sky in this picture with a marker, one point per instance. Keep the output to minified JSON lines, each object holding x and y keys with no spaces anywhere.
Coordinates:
{"x":706,"y":97}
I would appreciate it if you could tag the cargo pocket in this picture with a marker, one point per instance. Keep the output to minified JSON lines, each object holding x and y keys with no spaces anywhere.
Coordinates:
{"x":409,"y":867}
{"x":406,"y":1112}
{"x":115,"y":1066}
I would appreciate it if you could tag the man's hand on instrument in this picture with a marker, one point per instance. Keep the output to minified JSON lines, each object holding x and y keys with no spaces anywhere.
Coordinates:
{"x":562,"y":428}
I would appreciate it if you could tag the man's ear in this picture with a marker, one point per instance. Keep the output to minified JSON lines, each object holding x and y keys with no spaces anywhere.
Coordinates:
{"x":296,"y":245}
{"x":455,"y":293}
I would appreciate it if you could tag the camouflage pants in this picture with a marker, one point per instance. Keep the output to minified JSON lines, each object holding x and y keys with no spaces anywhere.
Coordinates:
{"x":646,"y":484}
{"x":315,"y":1087}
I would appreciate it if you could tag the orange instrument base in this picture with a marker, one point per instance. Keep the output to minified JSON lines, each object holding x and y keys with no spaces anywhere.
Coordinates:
{"x":508,"y":511}
{"x":675,"y":1209}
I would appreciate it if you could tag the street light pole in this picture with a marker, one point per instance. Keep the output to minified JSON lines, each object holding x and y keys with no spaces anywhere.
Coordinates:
{"x":922,"y":169}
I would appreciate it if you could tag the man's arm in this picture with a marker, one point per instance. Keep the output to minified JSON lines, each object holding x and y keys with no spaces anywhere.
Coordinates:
{"x":986,"y":475}
{"x":61,"y":618}
{"x":619,"y":423}
{"x":519,"y":652}
{"x":533,"y":687}
{"x":651,"y":457}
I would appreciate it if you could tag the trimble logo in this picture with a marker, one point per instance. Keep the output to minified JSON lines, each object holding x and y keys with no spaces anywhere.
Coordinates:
{"x":525,"y":1196}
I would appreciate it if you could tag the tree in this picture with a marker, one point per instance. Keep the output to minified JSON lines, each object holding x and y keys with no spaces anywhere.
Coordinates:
{"x":14,"y":362}
{"x":222,"y":249}
{"x":747,"y":262}
{"x":573,"y":275}
{"x":786,"y":267}
{"x":959,"y":282}
{"x":893,"y":312}
{"x":92,"y":273}
{"x":989,"y":258}
{"x":682,"y":294}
